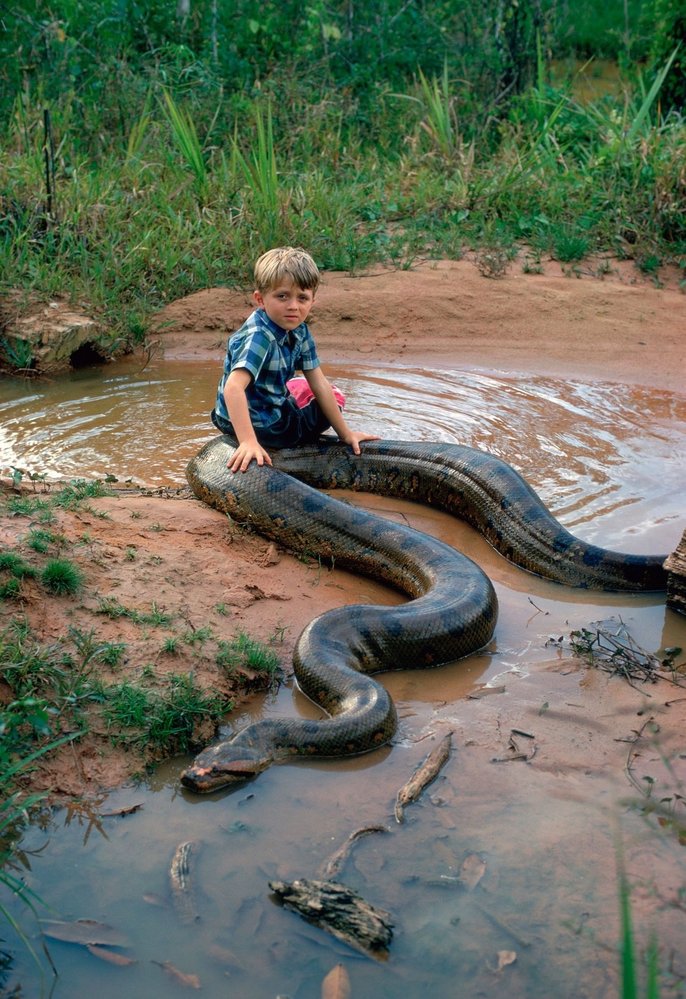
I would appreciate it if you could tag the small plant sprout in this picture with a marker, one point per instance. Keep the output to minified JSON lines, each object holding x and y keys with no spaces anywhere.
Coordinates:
{"x":112,"y":654}
{"x":39,"y":540}
{"x":198,"y":636}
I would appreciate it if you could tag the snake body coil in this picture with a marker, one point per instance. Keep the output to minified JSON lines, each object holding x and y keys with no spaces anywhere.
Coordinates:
{"x":453,"y":609}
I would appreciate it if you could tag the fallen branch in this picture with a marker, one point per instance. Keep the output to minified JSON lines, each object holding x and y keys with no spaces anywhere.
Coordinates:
{"x":423,"y":776}
{"x":332,"y":867}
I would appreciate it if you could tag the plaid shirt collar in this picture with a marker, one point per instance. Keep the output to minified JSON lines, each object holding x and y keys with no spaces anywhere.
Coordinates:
{"x":292,"y":336}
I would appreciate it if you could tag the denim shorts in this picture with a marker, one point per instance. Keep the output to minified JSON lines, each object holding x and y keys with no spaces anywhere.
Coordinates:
{"x":294,"y":426}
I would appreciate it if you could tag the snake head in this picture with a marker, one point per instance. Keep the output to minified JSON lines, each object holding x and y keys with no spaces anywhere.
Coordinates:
{"x":223,"y":766}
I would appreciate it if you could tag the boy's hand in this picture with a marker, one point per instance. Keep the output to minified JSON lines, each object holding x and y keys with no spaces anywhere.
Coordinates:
{"x":245,"y":453}
{"x":354,"y":439}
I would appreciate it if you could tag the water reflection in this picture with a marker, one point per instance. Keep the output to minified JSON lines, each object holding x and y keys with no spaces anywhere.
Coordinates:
{"x":605,"y":457}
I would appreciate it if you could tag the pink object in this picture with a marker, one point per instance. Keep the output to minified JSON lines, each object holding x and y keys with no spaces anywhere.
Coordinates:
{"x":303,"y":394}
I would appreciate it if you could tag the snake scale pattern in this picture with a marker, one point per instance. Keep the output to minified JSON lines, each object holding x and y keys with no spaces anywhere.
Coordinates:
{"x":453,"y":608}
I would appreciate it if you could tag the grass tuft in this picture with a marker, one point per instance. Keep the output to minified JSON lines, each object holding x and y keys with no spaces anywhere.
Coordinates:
{"x":244,"y":652}
{"x":61,"y":577}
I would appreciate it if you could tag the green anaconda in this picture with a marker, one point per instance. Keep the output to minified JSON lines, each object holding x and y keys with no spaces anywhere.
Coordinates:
{"x":453,"y":609}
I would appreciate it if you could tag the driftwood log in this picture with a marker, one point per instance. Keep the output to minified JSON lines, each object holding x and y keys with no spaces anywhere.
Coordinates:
{"x":676,"y":578}
{"x":340,"y":911}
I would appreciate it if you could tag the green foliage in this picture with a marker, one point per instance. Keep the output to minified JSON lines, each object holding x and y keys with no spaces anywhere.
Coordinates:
{"x":40,"y":540}
{"x":259,"y":170}
{"x":13,"y":568}
{"x":79,"y":489}
{"x":613,"y":29}
{"x":184,"y":132}
{"x":61,"y":577}
{"x":569,"y":244}
{"x":244,"y":652}
{"x":629,"y":977}
{"x":162,"y":719}
{"x":666,"y":20}
{"x":113,"y":608}
{"x":405,"y":131}
{"x":15,"y":565}
{"x":30,"y":506}
{"x":112,"y":653}
{"x":17,"y":354}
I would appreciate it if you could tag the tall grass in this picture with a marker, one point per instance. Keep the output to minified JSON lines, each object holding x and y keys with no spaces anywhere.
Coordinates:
{"x":260,"y":174}
{"x":627,"y":950}
{"x":562,"y":177}
{"x":186,"y":137}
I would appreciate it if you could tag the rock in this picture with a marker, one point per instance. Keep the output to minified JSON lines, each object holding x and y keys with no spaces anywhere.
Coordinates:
{"x":52,"y":338}
{"x":676,"y":577}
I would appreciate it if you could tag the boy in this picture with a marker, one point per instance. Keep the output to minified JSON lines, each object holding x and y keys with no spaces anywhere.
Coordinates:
{"x":254,"y":399}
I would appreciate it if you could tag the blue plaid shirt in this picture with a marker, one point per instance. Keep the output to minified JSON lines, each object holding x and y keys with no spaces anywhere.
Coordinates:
{"x":272,"y":356}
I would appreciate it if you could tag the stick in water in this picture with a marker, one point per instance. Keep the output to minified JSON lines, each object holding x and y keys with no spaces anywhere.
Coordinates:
{"x":423,"y":775}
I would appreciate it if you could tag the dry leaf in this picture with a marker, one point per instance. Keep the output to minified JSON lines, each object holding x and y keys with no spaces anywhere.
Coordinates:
{"x":506,"y":957}
{"x":111,"y":956}
{"x":190,"y":981}
{"x":336,"y":985}
{"x":84,"y":932}
{"x":480,"y":692}
{"x":472,"y":869}
{"x":130,"y":810}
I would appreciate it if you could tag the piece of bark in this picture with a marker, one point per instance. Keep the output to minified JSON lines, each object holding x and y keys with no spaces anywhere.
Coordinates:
{"x":340,"y":911}
{"x":181,"y":883}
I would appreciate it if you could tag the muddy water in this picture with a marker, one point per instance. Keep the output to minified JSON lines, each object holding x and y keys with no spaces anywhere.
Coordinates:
{"x":539,"y":840}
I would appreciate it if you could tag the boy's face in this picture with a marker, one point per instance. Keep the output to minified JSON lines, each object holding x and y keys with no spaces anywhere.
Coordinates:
{"x":287,"y":305}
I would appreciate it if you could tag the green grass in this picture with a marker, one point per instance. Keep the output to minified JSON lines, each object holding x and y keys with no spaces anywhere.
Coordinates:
{"x":113,"y":608}
{"x":628,"y":962}
{"x":15,"y":565}
{"x":31,"y":506}
{"x":61,"y":577}
{"x":162,"y":719}
{"x":40,"y":540}
{"x":244,"y":652}
{"x":418,"y":177}
{"x":71,"y":496}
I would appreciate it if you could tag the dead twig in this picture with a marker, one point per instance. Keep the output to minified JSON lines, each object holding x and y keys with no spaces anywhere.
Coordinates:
{"x":515,"y":752}
{"x":423,"y":776}
{"x":333,"y":865}
{"x":614,"y":650}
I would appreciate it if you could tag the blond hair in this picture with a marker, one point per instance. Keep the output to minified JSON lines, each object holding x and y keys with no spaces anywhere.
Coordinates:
{"x":286,"y":262}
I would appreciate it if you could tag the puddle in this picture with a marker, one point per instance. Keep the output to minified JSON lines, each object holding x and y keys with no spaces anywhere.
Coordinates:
{"x":608,"y":460}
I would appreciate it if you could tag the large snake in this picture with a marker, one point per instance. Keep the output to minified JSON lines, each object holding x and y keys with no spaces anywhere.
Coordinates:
{"x":453,"y":609}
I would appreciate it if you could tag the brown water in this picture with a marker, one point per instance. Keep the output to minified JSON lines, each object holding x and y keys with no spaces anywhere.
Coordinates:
{"x":607,"y":459}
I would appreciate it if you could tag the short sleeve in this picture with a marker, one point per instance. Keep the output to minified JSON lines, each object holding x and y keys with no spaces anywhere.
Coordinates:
{"x":250,"y":351}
